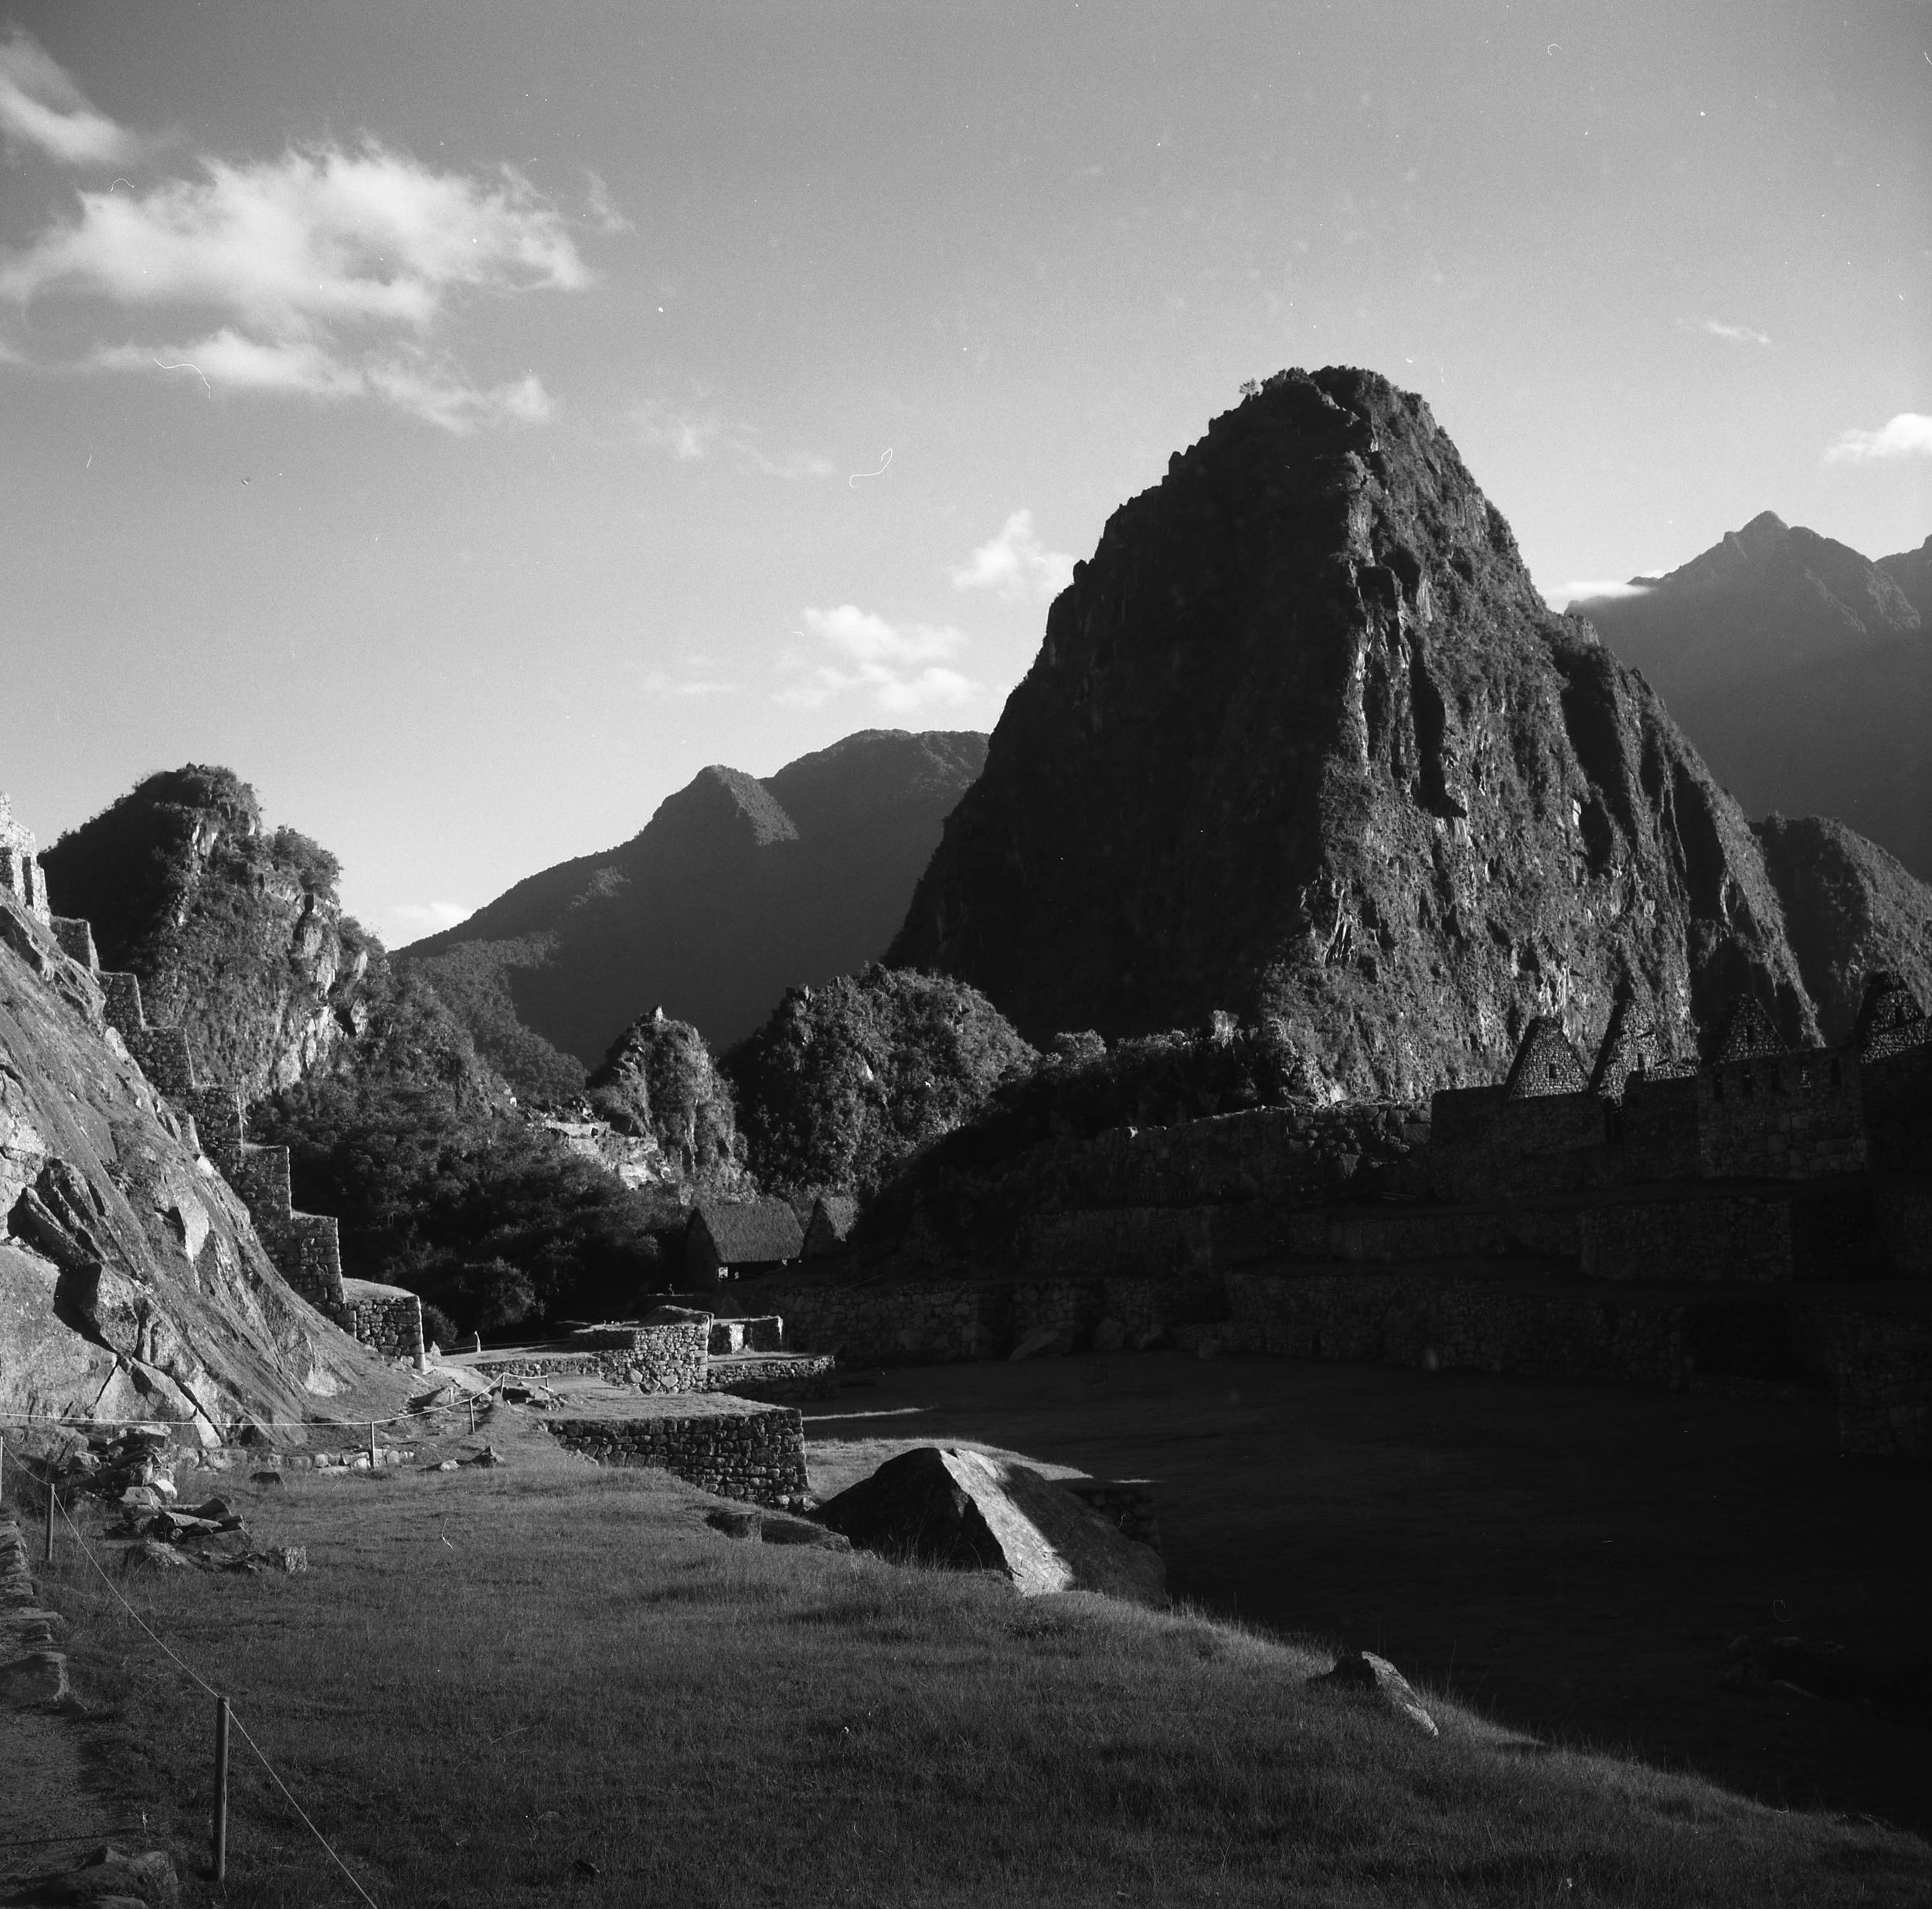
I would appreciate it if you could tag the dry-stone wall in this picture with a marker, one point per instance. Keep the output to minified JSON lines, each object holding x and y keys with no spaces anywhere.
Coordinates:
{"x":657,"y":1359}
{"x":733,"y":1447}
{"x":781,"y":1377}
{"x":305,"y":1248}
{"x":1431,"y":1322}
{"x":939,"y":1321}
{"x":388,"y":1319}
{"x":1885,"y":1387}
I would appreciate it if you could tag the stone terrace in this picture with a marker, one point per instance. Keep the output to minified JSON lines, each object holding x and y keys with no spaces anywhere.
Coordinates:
{"x":1766,"y":1217}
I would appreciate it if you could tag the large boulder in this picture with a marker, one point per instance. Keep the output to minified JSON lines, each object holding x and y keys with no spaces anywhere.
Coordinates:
{"x":969,"y":1511}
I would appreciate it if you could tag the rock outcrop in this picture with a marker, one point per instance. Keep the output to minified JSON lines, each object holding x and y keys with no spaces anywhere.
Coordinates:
{"x":1303,"y":742}
{"x":658,"y":1086}
{"x":847,"y":1081}
{"x":1802,"y":672}
{"x":133,"y":1284}
{"x":234,"y":929}
{"x":971,"y":1511}
{"x":736,"y":889}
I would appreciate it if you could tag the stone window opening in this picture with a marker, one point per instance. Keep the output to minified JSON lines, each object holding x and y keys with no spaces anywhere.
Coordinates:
{"x":1744,"y":1080}
{"x":1838,"y":1074}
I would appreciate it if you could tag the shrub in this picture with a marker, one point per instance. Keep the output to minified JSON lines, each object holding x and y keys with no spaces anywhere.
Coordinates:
{"x":847,"y":1082}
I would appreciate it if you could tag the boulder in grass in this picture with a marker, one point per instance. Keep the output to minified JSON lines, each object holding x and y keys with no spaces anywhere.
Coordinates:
{"x":968,"y":1510}
{"x":35,"y":1680}
{"x":1365,"y":1674}
{"x":108,"y":1876}
{"x":1044,"y":1341}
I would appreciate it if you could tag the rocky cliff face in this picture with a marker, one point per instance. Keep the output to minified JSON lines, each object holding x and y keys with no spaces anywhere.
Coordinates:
{"x":132,"y":1285}
{"x":1303,"y":742}
{"x":659,"y":1086}
{"x":235,"y":930}
{"x":736,"y":891}
{"x":1802,"y":672}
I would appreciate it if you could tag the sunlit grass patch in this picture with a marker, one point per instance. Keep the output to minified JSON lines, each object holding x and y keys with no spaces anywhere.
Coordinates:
{"x":488,"y":1678}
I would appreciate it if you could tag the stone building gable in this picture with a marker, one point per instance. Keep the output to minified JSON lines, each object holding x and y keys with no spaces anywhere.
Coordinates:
{"x":1890,"y":1018}
{"x":1746,"y":1033}
{"x":1546,"y":1064}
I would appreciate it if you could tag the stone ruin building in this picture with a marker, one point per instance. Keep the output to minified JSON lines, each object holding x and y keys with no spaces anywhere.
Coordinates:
{"x":1760,"y":1217}
{"x":304,"y":1248}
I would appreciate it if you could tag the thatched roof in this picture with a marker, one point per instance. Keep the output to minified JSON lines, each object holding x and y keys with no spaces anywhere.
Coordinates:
{"x":749,"y":1232}
{"x":833,"y":1215}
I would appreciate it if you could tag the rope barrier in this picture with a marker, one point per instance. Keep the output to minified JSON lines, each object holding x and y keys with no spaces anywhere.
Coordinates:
{"x":189,"y":1671}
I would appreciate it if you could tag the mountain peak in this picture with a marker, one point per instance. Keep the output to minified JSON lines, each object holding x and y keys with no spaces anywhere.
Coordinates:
{"x":1303,"y":742}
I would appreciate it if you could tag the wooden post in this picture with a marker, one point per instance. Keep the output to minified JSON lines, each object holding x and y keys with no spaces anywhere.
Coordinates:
{"x":371,"y":1444}
{"x":220,"y":1851}
{"x":472,"y":1405}
{"x":48,"y":1557}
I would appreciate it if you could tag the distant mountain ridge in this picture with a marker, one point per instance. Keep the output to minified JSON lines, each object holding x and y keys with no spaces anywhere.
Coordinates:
{"x":736,"y":889}
{"x":1802,"y":671}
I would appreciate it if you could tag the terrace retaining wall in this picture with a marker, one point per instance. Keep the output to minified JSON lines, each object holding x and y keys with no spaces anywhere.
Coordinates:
{"x":758,"y":1453}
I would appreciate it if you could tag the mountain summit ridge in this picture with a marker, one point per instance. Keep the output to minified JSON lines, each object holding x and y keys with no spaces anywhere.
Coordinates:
{"x":1303,"y":742}
{"x":1802,"y":670}
{"x":737,"y":888}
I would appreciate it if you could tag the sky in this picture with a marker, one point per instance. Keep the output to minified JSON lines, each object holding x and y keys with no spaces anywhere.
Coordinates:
{"x":466,"y":420}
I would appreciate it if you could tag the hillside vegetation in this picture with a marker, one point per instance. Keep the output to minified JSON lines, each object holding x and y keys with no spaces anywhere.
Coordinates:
{"x":738,"y":888}
{"x":847,"y":1082}
{"x":235,"y":929}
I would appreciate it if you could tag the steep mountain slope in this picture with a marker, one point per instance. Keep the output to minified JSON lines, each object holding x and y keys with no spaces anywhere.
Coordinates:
{"x":1801,"y":671}
{"x":736,"y":889}
{"x":132,"y":1283}
{"x":1912,"y":571}
{"x":1303,"y":742}
{"x":235,"y":931}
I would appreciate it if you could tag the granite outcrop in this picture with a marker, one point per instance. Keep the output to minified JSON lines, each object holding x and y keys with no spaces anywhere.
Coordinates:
{"x":133,"y":1282}
{"x":1303,"y":743}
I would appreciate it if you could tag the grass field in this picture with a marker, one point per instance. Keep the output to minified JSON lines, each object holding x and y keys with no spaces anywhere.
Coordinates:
{"x":1571,"y":1559}
{"x":489,"y":1682}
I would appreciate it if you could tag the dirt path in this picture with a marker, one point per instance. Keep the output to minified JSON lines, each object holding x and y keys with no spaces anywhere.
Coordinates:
{"x":1574,"y":1560}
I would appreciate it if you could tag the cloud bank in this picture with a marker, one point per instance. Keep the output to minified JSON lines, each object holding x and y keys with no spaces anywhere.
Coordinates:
{"x":1564,"y":596}
{"x":1736,"y":334}
{"x":895,"y":666}
{"x":329,"y":272}
{"x":1015,"y":563}
{"x":1908,"y":435}
{"x":41,"y":108}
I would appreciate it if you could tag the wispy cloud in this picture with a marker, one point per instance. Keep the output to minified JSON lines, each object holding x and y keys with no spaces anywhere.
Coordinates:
{"x":690,"y":434}
{"x":41,"y":106}
{"x":603,"y":210}
{"x":1736,"y":334}
{"x":1015,"y":563}
{"x":1908,"y":435}
{"x":896,"y":666}
{"x":1566,"y":596}
{"x":331,"y":273}
{"x":660,"y":683}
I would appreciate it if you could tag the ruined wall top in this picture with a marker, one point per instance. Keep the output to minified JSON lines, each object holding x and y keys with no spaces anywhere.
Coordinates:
{"x":19,"y":870}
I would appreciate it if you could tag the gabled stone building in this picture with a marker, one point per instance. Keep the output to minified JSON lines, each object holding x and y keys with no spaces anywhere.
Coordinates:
{"x":728,"y":1239}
